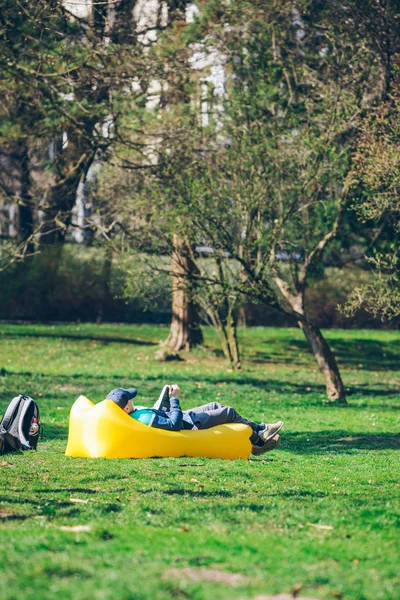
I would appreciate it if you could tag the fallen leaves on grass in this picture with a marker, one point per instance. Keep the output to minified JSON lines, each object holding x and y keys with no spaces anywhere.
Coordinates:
{"x":78,"y":500}
{"x":76,"y":528}
{"x":210,"y":575}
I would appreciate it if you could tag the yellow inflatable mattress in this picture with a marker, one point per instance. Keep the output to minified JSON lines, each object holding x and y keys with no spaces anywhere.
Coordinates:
{"x":104,"y":430}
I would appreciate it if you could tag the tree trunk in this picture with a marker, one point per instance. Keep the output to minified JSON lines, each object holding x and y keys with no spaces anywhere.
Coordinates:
{"x":73,"y":162}
{"x":326,"y":361}
{"x":15,"y":182}
{"x":231,"y":327}
{"x":185,"y":332}
{"x":229,"y":342}
{"x":25,"y":205}
{"x":242,"y":316}
{"x":224,"y":341}
{"x":225,"y":324}
{"x":319,"y":346}
{"x":55,"y":212}
{"x":105,"y":283}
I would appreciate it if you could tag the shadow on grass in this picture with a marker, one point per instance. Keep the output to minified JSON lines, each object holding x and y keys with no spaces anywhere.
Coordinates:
{"x":287,"y":388}
{"x":106,"y":339}
{"x":302,"y":494}
{"x":368,"y":354}
{"x":360,"y":353}
{"x":54,"y":432}
{"x":256,"y":508}
{"x":73,"y":490}
{"x":197,"y":493}
{"x":61,"y":379}
{"x":338,"y":442}
{"x":80,"y":490}
{"x":306,"y":394}
{"x":7,"y":516}
{"x":309,"y":390}
{"x":17,"y":499}
{"x":49,"y":507}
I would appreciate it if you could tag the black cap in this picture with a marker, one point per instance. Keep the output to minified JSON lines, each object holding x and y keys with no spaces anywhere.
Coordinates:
{"x":121,"y":396}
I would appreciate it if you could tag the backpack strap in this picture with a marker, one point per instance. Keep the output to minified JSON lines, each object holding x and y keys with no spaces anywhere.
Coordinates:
{"x":24,"y":441}
{"x":5,"y":422}
{"x":36,"y":410}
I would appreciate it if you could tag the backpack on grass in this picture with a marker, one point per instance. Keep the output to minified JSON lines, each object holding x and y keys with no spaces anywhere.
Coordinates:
{"x":20,"y":425}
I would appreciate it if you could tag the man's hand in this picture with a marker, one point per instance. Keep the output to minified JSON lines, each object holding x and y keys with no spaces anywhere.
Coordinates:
{"x":174,"y":391}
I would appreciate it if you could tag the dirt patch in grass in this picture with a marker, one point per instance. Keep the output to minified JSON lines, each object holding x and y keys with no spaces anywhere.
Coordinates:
{"x":6,"y":515}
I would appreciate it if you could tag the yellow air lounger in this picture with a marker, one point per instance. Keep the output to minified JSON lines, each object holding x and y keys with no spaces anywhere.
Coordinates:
{"x":104,"y":430}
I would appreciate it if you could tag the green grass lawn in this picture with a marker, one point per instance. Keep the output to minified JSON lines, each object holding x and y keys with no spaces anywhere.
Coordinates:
{"x":319,"y":516}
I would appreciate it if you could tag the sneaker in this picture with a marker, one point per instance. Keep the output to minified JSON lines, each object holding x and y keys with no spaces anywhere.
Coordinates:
{"x":163,"y":400}
{"x":270,"y":445}
{"x":270,"y":431}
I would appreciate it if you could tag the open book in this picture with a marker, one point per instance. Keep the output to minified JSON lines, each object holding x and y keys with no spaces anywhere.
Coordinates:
{"x":163,"y":400}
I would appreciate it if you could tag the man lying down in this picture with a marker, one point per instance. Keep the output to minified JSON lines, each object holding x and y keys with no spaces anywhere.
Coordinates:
{"x":167,"y":414}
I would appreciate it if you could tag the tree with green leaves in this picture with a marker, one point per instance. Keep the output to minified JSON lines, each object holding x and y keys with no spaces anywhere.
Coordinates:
{"x":267,"y":184}
{"x":63,"y":79}
{"x":377,"y":182}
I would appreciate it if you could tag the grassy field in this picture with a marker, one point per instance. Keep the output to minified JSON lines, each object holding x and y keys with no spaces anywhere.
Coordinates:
{"x":317,"y":518}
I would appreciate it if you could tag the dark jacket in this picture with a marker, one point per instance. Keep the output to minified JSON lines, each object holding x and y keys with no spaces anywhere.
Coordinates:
{"x":171,"y":420}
